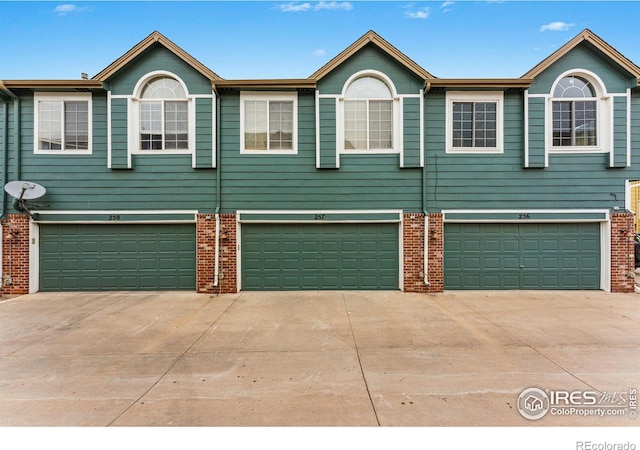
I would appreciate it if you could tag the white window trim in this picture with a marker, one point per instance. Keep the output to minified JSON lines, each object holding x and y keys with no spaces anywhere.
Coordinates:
{"x":134,"y":118}
{"x":396,"y":130}
{"x":268,"y":97}
{"x":604,"y":111}
{"x":62,"y":97}
{"x":460,"y":96}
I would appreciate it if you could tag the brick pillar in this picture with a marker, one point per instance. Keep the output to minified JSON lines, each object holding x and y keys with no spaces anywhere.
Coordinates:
{"x":413,"y":243}
{"x":622,"y":252}
{"x":15,"y":254}
{"x":206,"y":252}
{"x":413,"y":246}
{"x":228,"y":254}
{"x":435,"y":236}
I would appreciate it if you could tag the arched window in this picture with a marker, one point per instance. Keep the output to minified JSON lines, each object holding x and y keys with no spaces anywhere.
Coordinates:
{"x":368,"y":115}
{"x":575,"y":113}
{"x":164,"y":116}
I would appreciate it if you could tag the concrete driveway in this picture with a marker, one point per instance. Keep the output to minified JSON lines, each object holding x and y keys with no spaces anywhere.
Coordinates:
{"x":313,"y":358}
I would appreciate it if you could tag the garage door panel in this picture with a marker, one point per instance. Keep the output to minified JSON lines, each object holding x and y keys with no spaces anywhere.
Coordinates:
{"x":117,"y":257}
{"x":531,"y":256}
{"x":331,"y":256}
{"x":508,"y":281}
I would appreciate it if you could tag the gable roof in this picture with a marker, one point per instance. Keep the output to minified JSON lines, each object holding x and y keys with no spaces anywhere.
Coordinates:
{"x":590,"y":37}
{"x":374,"y":38}
{"x":153,"y":38}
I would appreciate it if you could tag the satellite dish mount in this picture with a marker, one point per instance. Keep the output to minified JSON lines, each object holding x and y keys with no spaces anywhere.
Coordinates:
{"x":22,"y":191}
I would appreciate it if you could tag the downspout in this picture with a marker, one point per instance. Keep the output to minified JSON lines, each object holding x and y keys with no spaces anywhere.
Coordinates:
{"x":216,"y":275}
{"x":5,"y":156}
{"x":16,"y":131}
{"x":16,"y":143}
{"x":425,"y":272}
{"x":5,"y":160}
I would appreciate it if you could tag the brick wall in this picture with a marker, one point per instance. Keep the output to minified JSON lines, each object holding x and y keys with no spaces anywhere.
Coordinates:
{"x":622,"y":252}
{"x":205,"y":254}
{"x":436,"y":253}
{"x":228,"y":254}
{"x":15,"y":254}
{"x":413,"y":243}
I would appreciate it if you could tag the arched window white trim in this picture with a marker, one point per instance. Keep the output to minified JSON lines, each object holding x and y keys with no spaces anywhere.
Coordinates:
{"x":369,"y":115}
{"x":578,"y":114}
{"x":162,"y":116}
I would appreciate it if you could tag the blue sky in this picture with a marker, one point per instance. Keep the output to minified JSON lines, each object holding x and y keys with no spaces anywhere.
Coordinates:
{"x":292,"y":39}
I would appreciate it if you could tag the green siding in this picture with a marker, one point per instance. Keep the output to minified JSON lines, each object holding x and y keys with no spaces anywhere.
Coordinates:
{"x":204,"y":133}
{"x":117,"y":257}
{"x":371,"y":58}
{"x":319,"y":256}
{"x":328,"y":143}
{"x":522,"y":256}
{"x":584,"y":56}
{"x":536,"y":132}
{"x":283,"y":182}
{"x":153,"y":59}
{"x":498,"y":181}
{"x":619,"y":132}
{"x":84,"y":182}
{"x":119,"y":134}
{"x":411,"y":132}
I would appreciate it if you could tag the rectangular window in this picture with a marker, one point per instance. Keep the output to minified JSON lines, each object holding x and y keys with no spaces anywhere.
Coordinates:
{"x":268,"y":123}
{"x":62,"y":123}
{"x":574,"y":123}
{"x":164,"y":125}
{"x":368,"y":124}
{"x":474,"y":122}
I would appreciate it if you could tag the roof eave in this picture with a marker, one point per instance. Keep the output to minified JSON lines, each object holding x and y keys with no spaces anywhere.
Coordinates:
{"x":596,"y":41}
{"x":155,"y":37}
{"x":371,"y":37}
{"x":304,"y":83}
{"x":496,"y":83}
{"x":51,"y":84}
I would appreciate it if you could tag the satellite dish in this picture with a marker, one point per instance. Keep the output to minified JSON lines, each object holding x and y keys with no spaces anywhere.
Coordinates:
{"x":24,"y":190}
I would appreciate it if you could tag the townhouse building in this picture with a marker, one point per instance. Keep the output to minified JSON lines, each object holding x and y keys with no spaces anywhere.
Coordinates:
{"x":370,"y":174}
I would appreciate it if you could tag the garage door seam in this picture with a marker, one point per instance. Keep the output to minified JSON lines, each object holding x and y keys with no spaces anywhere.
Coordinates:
{"x":364,"y":378}
{"x":179,"y":358}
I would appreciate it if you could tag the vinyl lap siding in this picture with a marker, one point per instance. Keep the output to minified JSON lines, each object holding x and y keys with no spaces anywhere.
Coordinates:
{"x":490,"y":181}
{"x":293,"y":182}
{"x":85,"y":183}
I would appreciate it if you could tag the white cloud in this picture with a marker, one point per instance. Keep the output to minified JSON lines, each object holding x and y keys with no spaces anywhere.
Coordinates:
{"x":346,"y":6}
{"x":294,"y":7}
{"x":446,"y":5}
{"x":316,"y":6}
{"x":556,"y":26}
{"x":319,"y":52}
{"x":67,"y":8}
{"x":421,"y":13}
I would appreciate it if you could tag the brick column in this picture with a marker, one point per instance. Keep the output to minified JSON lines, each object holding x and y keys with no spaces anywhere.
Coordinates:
{"x":205,"y":254}
{"x":228,"y":254}
{"x":622,"y":252}
{"x":413,"y":237}
{"x":15,"y":254}
{"x":413,"y":246}
{"x":435,"y":236}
